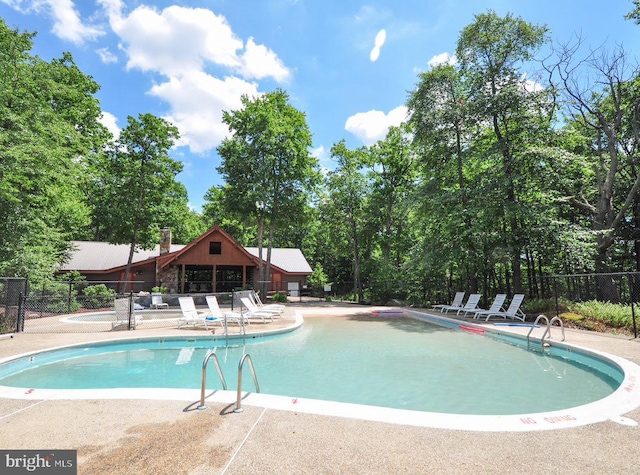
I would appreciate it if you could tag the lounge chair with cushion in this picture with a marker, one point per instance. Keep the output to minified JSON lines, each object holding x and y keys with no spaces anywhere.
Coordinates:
{"x":156,"y":301}
{"x":253,"y":312}
{"x":513,"y":311}
{"x":496,"y":306}
{"x":124,"y":309}
{"x":190,"y":315}
{"x":456,"y":304}
{"x":472,"y":304}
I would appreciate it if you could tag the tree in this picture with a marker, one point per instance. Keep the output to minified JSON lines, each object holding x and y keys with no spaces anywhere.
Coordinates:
{"x":344,"y":208}
{"x":635,"y":13}
{"x":605,"y":108}
{"x":48,"y":124}
{"x":134,"y":187}
{"x":491,"y":51}
{"x":267,"y":166}
{"x":443,"y":129}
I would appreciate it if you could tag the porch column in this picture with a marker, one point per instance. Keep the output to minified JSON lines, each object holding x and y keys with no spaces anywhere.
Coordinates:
{"x":214,"y":279}
{"x":244,"y":277}
{"x":182,"y":279}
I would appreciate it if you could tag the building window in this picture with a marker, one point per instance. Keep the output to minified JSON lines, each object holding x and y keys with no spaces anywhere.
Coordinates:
{"x":215,"y":247}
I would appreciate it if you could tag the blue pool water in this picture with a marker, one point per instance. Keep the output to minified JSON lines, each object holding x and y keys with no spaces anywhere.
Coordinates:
{"x":396,"y":362}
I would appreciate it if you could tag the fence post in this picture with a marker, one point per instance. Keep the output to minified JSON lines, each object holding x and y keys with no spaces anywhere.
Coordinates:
{"x":633,"y":313}
{"x":555,"y":294}
{"x":131,"y":313}
{"x":20,"y":317}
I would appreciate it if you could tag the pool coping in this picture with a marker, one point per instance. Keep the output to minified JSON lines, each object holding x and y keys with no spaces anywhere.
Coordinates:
{"x":611,"y":408}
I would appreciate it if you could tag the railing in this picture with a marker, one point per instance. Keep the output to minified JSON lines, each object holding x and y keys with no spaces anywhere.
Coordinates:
{"x":210,"y":354}
{"x":538,"y":318}
{"x":255,"y":381}
{"x":547,"y":330}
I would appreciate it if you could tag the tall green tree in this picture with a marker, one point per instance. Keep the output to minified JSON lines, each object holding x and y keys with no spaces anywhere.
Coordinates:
{"x":443,"y":130}
{"x":492,"y":52}
{"x":48,"y":125}
{"x":134,"y":190}
{"x":269,"y":171}
{"x":343,"y":209}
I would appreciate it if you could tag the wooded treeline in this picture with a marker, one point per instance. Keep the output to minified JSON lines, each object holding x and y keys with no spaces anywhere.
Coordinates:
{"x":518,"y":159}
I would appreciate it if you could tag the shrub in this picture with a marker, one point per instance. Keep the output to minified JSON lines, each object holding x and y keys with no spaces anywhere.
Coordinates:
{"x":279,"y":297}
{"x":545,"y":306}
{"x":616,"y":315}
{"x":98,"y":296}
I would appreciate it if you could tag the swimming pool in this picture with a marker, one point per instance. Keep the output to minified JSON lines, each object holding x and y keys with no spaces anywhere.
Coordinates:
{"x":388,"y":364}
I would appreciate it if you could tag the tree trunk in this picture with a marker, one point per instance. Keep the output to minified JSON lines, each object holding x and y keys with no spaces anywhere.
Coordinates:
{"x":267,"y":279}
{"x":260,"y":245}
{"x":606,"y":290}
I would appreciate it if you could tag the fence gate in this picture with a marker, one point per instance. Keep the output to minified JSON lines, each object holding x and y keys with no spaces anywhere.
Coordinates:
{"x":12,"y":291}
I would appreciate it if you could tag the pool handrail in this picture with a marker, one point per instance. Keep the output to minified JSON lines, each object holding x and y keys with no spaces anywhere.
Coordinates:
{"x":538,"y":318}
{"x":548,"y":330}
{"x":210,"y":353}
{"x":255,"y":380}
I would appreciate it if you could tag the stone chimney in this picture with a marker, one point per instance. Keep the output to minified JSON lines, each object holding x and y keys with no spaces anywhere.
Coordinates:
{"x":165,"y":241}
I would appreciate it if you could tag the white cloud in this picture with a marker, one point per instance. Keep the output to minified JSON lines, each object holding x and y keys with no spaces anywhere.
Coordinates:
{"x":107,"y":56}
{"x":197,"y":102}
{"x":111,"y":123}
{"x":378,"y":44}
{"x":176,"y":40}
{"x":67,"y":23}
{"x":442,"y":58}
{"x":372,"y":126}
{"x":259,"y":62}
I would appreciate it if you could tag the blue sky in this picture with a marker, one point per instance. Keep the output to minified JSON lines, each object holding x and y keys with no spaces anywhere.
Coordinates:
{"x":347,"y":65}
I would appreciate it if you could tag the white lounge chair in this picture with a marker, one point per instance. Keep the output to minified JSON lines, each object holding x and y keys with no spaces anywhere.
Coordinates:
{"x":496,"y":306}
{"x":156,"y":301}
{"x":276,"y":309}
{"x":472,"y":304}
{"x":513,"y":311}
{"x":217,"y":315}
{"x":124,"y":308}
{"x":253,"y":312}
{"x":456,"y":304}
{"x":190,"y":315}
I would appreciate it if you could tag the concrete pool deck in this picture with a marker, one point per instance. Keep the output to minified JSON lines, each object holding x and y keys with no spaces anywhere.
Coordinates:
{"x":168,"y":436}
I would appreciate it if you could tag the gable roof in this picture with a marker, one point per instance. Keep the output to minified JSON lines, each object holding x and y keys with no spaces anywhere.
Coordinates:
{"x":288,"y":259}
{"x":103,"y":257}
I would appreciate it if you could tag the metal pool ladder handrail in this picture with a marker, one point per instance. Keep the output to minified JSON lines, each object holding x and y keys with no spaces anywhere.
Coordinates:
{"x":210,"y":353}
{"x":538,"y":318}
{"x":255,"y":381}
{"x":550,"y":324}
{"x":547,"y":329}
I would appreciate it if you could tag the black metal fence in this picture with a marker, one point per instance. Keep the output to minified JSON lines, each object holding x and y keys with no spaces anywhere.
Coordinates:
{"x":620,"y":289}
{"x":87,"y":307}
{"x":12,"y":290}
{"x":74,"y":313}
